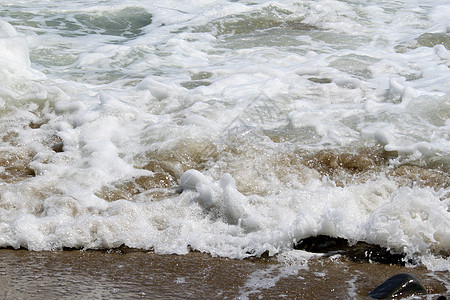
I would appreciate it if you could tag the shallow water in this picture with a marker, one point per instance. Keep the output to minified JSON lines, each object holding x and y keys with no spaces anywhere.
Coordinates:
{"x":234,"y":128}
{"x":124,"y":273}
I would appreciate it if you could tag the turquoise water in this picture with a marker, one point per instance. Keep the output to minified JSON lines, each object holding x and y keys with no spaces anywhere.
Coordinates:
{"x":233,"y":128}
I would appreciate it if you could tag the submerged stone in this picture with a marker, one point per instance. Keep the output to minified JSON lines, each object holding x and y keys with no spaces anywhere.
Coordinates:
{"x":358,"y":252}
{"x":400,"y":285}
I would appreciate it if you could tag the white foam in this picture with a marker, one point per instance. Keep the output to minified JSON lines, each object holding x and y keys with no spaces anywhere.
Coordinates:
{"x":291,"y":264}
{"x":15,"y":60}
{"x":226,"y":98}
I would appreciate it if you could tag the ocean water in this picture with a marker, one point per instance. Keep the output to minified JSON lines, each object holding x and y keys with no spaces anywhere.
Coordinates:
{"x":234,"y":128}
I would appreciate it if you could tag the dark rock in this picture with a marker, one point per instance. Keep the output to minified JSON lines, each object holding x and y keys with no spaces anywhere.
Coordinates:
{"x":359,"y":252}
{"x":398,"y":286}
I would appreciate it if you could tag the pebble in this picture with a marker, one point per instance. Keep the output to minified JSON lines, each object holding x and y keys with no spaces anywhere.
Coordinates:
{"x":400,"y":285}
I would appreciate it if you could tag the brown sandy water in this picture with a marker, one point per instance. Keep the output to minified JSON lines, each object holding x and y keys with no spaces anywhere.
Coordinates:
{"x":134,"y":274}
{"x":131,"y":274}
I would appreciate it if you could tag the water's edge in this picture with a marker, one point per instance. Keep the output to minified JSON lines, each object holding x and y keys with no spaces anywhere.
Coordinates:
{"x":131,"y":273}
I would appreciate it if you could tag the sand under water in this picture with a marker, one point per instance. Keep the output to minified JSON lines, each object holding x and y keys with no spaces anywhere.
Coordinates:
{"x":125,"y":273}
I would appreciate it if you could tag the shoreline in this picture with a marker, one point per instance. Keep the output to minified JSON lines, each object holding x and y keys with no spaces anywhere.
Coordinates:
{"x":137,"y":274}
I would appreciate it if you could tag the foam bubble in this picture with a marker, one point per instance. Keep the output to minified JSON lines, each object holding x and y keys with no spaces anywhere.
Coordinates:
{"x":15,"y":57}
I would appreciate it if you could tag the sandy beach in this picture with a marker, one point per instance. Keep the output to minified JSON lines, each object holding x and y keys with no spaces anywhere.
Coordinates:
{"x":132,"y":274}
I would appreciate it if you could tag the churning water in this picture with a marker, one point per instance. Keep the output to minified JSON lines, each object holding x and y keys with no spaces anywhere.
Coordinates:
{"x":234,"y":128}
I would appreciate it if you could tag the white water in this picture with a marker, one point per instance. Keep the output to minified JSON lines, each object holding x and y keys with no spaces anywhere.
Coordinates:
{"x":243,"y":92}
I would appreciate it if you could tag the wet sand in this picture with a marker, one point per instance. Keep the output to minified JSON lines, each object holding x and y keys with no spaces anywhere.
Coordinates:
{"x":131,"y":274}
